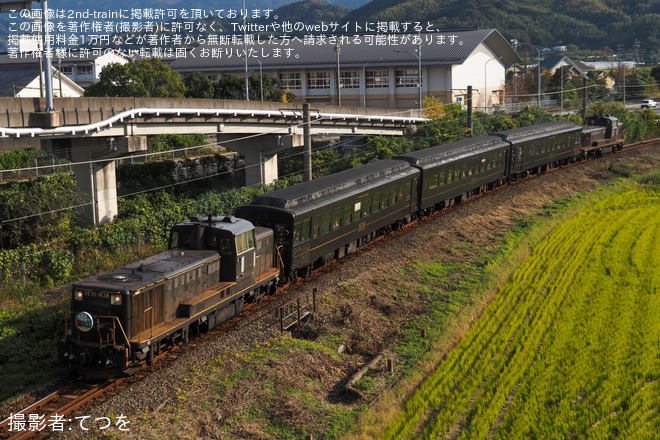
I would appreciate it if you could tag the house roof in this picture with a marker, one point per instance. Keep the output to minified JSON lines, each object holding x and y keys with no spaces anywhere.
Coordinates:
{"x":446,"y":47}
{"x":555,"y":62}
{"x":15,"y":78}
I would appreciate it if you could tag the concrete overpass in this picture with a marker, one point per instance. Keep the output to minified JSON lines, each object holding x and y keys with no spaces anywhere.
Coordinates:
{"x":92,"y":131}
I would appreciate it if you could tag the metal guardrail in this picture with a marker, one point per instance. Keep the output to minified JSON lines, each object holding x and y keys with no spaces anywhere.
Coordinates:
{"x":286,"y":315}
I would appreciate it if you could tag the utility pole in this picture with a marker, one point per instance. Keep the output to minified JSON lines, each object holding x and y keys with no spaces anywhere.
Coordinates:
{"x":337,"y":50}
{"x":48,"y":74}
{"x":469,"y":110}
{"x":307,"y":144}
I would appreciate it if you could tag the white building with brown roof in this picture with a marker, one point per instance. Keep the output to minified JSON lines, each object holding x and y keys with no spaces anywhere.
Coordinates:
{"x":374,"y":70}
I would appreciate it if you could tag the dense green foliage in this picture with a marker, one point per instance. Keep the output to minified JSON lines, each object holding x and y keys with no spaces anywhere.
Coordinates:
{"x":144,"y":220}
{"x":588,"y":24}
{"x":145,"y":78}
{"x":27,"y":348}
{"x":10,"y":160}
{"x":233,"y":87}
{"x":36,"y":211}
{"x":198,"y":85}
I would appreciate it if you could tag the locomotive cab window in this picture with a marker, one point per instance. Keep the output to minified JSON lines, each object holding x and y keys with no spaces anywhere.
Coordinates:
{"x":244,"y":242}
{"x":187,"y":237}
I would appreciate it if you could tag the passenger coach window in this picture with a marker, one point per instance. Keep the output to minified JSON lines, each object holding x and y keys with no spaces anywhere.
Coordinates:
{"x":376,"y":205}
{"x":325,"y":223}
{"x":305,"y":229}
{"x":348,"y":211}
{"x":336,"y":219}
{"x":357,"y":210}
{"x":385,"y":200}
{"x":315,"y":227}
{"x":434,"y":181}
{"x":366,"y":207}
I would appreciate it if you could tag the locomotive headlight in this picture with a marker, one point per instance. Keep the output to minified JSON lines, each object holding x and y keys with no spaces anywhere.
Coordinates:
{"x":78,"y":295}
{"x":115,"y":299}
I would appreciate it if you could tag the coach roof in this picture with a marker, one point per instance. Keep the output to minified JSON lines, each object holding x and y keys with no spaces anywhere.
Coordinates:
{"x":337,"y":185}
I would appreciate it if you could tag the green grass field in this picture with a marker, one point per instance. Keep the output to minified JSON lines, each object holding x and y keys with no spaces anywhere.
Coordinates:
{"x":570,"y":346}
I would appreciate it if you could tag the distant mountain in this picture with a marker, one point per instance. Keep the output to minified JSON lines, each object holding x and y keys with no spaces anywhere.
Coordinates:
{"x":588,"y":24}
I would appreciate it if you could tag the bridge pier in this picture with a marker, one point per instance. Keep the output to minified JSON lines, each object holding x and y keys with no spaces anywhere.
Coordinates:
{"x":94,"y":170}
{"x":260,"y":154}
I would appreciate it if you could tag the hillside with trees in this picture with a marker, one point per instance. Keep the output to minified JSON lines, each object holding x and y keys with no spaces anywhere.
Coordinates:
{"x":587,"y":24}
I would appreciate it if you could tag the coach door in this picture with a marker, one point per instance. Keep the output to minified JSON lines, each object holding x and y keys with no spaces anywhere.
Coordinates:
{"x":517,"y":159}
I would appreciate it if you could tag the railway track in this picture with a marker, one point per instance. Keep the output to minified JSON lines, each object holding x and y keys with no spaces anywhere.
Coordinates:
{"x":54,"y":412}
{"x":61,"y":410}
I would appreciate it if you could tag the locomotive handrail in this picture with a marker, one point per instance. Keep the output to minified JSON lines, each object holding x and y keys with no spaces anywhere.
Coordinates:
{"x":149,"y":309}
{"x":279,"y":259}
{"x":115,"y":321}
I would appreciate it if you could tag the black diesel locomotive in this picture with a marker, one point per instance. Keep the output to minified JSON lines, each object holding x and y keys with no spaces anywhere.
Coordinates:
{"x":215,"y":265}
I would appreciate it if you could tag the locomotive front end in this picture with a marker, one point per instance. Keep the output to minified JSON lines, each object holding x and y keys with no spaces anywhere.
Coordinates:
{"x":96,"y":345}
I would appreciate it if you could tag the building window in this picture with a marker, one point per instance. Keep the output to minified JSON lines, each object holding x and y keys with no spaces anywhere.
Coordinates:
{"x":350,"y":80}
{"x":377,"y":78}
{"x":318,"y":80}
{"x":84,"y":70}
{"x":67,"y":70}
{"x":407,"y":78}
{"x":291,"y":80}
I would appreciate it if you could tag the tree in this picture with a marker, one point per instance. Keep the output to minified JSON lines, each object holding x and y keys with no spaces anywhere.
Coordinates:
{"x":638,"y":84}
{"x":144,"y":78}
{"x":229,"y":87}
{"x":116,"y":80}
{"x":158,"y":79}
{"x":561,"y":83}
{"x":233,"y":87}
{"x":198,"y":85}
